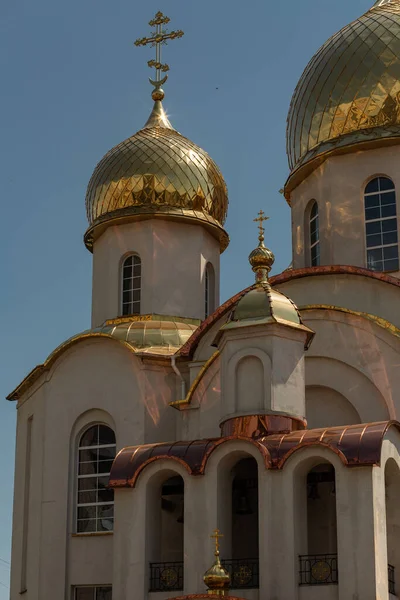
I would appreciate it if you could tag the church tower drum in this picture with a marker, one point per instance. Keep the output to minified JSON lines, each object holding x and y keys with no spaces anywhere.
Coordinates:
{"x":156,"y":205}
{"x":343,"y":134}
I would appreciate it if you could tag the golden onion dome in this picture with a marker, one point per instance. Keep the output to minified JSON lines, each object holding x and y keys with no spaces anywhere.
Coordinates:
{"x":349,"y":94}
{"x":157,"y":173}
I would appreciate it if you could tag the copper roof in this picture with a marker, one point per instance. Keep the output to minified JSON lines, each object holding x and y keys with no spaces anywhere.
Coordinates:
{"x":356,"y":445}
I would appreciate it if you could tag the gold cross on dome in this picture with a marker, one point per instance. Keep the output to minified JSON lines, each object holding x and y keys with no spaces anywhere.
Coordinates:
{"x":260,"y":219}
{"x":216,"y":535}
{"x":158,"y":38}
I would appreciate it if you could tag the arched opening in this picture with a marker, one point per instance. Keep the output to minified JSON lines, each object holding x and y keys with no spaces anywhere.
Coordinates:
{"x":392,"y":494}
{"x":131,"y":280}
{"x":238,"y":519}
{"x":165,"y":526}
{"x":95,"y":501}
{"x":381,"y":225}
{"x":314,"y":235}
{"x":315,"y":518}
{"x":209,"y":290}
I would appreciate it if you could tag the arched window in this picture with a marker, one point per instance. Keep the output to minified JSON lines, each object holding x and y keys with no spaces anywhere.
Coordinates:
{"x":314,"y":235}
{"x":131,"y":285}
{"x":209,"y":289}
{"x":95,"y":502}
{"x":381,"y":225}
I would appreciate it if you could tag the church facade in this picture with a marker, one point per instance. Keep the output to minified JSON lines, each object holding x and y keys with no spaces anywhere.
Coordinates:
{"x":273,"y":418}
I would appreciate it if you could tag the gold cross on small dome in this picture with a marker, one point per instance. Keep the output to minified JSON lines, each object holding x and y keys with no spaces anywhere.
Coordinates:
{"x":216,"y":535}
{"x":158,"y":38}
{"x":260,"y":219}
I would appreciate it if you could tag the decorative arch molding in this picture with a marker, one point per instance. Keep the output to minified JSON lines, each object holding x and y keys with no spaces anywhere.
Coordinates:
{"x":324,"y":371}
{"x":231,"y":388}
{"x":39,"y":370}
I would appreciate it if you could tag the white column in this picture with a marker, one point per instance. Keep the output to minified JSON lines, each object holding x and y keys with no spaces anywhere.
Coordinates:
{"x":361,"y":531}
{"x":278,"y":548}
{"x":130,"y":566}
{"x":199,"y":522}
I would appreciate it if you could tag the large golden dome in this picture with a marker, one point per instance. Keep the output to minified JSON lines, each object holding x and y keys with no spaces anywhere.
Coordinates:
{"x":349,"y":93}
{"x":157,"y":173}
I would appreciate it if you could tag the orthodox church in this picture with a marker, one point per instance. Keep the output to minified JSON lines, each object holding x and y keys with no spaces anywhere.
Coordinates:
{"x":270,"y":422}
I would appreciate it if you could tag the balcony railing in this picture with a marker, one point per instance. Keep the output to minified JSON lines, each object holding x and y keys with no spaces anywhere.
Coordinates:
{"x":166,"y":576}
{"x":392,"y":586}
{"x":318,"y":569}
{"x":244,"y":572}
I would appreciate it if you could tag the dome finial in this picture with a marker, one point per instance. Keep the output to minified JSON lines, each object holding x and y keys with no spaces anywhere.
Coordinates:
{"x":157,"y":38}
{"x":217,"y":579}
{"x":261,"y":259}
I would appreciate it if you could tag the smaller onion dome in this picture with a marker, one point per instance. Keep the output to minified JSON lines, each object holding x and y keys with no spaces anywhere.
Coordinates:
{"x":262,"y":305}
{"x":216,"y":578}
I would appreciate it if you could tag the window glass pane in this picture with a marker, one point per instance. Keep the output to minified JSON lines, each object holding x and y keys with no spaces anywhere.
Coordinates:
{"x":137,"y":270}
{"x":105,"y":466}
{"x":391,"y":265}
{"x":388,"y":198}
{"x":90,"y":437}
{"x":136,"y":296}
{"x":385,"y":183}
{"x":390,"y":252}
{"x":126,"y":297}
{"x":105,"y":495}
{"x":86,"y":526}
{"x":127,"y":284}
{"x":372,"y":186}
{"x":390,"y":238}
{"x":87,"y":483}
{"x":128,"y":262}
{"x":372,"y":213}
{"x":105,"y":517}
{"x":87,"y":497}
{"x":106,"y":453}
{"x":389,"y":225}
{"x":136,"y":308}
{"x":87,"y":468}
{"x":314,"y":237}
{"x":85,"y":593}
{"x":374,"y":240}
{"x":86,"y":512}
{"x":136,"y":283}
{"x":374,"y":227}
{"x":388,"y":210}
{"x":374,"y":259}
{"x":103,"y":593}
{"x":371,"y":201}
{"x":106,"y":436}
{"x":88,"y":455}
{"x":314,"y":211}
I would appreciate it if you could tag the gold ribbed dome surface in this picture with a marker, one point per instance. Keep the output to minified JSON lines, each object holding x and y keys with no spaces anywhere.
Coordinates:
{"x":157,"y":170}
{"x":350,"y":90}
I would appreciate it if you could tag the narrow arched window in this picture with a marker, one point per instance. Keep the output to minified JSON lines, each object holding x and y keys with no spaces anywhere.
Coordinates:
{"x":381,"y":225}
{"x":95,"y":502}
{"x":131,"y":285}
{"x":314,"y":236}
{"x":209,"y":289}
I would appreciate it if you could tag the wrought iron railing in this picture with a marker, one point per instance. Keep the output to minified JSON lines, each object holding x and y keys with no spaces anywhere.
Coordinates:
{"x":318,"y":569}
{"x":392,"y":586}
{"x":244,"y":572}
{"x":166,"y":576}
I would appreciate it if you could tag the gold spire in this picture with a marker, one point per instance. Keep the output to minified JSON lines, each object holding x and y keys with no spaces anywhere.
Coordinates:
{"x":158,"y":38}
{"x":261,"y":259}
{"x":217,"y":579}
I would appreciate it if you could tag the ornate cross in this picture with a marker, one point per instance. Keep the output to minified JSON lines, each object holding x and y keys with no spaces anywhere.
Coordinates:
{"x":216,"y":535}
{"x":260,"y":219}
{"x":157,"y":39}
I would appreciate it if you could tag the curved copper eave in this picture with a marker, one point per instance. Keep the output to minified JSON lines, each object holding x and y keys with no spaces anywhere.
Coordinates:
{"x":192,"y":455}
{"x":356,"y":445}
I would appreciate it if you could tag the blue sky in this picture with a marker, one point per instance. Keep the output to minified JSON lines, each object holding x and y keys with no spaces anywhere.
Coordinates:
{"x":73,"y":86}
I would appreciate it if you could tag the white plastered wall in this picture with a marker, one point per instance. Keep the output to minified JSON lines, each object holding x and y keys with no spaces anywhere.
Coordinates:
{"x":76,"y":392}
{"x":174,"y":257}
{"x":338,"y":187}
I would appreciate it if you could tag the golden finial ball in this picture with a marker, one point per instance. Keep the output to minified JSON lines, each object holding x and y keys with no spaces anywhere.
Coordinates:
{"x":158,"y":94}
{"x":261,"y":258}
